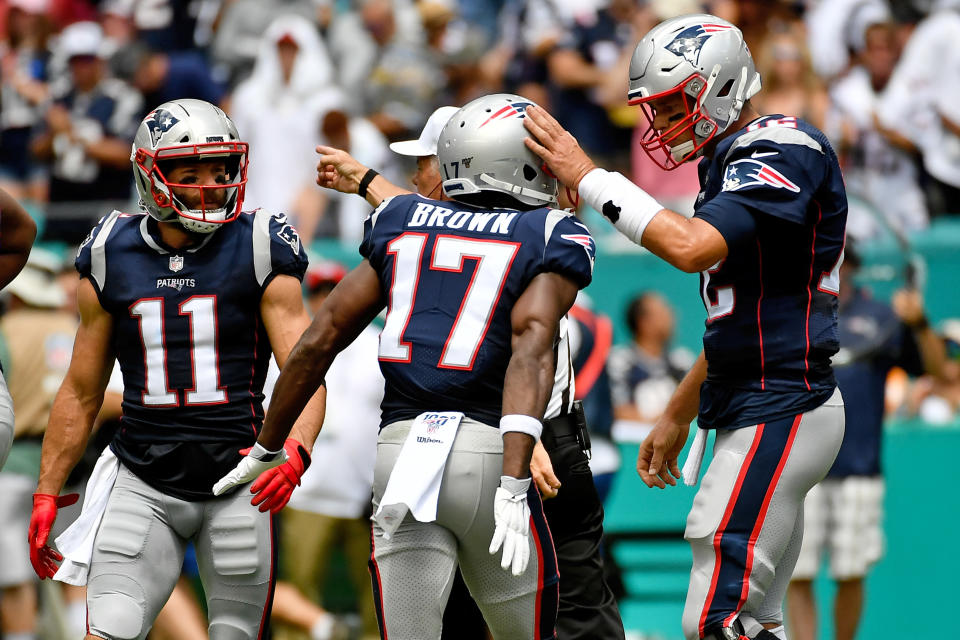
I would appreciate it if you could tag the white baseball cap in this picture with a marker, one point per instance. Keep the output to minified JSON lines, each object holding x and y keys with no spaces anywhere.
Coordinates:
{"x":36,"y":284}
{"x":426,"y":144}
{"x":81,"y":39}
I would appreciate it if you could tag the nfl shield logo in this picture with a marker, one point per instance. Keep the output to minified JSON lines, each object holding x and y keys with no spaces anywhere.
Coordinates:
{"x":176,"y":263}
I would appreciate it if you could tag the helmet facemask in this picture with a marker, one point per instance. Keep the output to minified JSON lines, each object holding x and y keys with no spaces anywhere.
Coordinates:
{"x":663,"y":147}
{"x":156,"y":165}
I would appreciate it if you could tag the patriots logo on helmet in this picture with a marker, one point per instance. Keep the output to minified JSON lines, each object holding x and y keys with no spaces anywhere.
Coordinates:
{"x":748,"y":172}
{"x":514,"y":109}
{"x":159,"y":122}
{"x":688,"y":42}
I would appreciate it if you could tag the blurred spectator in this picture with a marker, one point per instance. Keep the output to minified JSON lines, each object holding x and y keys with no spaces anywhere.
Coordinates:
{"x":934,"y":400}
{"x":405,"y":79}
{"x":37,"y":340}
{"x":596,"y":46}
{"x":836,"y":30}
{"x":331,"y":508}
{"x":922,"y":103}
{"x":644,"y":374}
{"x":843,"y":514}
{"x":161,"y":76}
{"x":163,"y":25}
{"x":88,"y":129}
{"x":344,"y":214}
{"x":789,"y":85}
{"x":236,"y":43}
{"x":277,"y":110}
{"x":24,"y":89}
{"x":881,"y":178}
{"x":382,"y":66}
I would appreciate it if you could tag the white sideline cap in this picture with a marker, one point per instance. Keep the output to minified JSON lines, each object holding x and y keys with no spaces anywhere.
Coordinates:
{"x":426,"y":144}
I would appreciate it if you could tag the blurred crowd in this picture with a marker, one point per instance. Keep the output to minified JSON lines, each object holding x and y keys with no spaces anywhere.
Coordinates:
{"x":881,"y":78}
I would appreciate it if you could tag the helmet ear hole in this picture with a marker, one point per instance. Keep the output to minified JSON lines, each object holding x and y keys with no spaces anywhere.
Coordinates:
{"x":529,"y":172}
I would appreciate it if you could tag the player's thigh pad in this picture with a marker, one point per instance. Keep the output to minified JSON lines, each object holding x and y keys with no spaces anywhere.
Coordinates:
{"x":748,"y":508}
{"x":412,"y":572}
{"x":856,"y":532}
{"x":235,"y":555}
{"x":816,"y":519}
{"x":16,"y":503}
{"x":6,"y":421}
{"x":137,"y":558}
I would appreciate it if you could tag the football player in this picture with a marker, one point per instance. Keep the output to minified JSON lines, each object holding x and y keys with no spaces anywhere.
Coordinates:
{"x":17,"y":233}
{"x":191,"y":298}
{"x":587,"y":607}
{"x":477,"y":284}
{"x":767,"y":238}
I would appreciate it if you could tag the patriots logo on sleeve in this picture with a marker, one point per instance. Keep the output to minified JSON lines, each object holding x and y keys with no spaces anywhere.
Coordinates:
{"x":688,"y":42}
{"x":748,"y":172}
{"x":289,"y":235}
{"x":585,"y":240}
{"x":514,"y":109}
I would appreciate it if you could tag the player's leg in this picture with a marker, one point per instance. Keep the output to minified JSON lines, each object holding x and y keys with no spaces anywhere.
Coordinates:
{"x":18,"y":582}
{"x":747,"y":513}
{"x":137,"y":556}
{"x":236,"y":556}
{"x":587,"y":606}
{"x":514,"y":607}
{"x":357,"y":551}
{"x":412,"y":572}
{"x":856,"y":543}
{"x":6,"y":421}
{"x":801,"y":605}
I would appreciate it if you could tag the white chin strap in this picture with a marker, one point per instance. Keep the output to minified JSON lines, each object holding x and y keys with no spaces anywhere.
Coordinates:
{"x":680,"y":151}
{"x":516,"y":189}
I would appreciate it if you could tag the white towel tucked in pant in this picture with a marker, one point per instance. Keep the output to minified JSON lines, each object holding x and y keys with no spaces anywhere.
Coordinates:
{"x":76,"y":543}
{"x":414,"y":483}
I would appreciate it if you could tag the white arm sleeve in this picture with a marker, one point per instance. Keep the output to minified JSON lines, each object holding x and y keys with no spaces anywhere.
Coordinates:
{"x":629,"y":207}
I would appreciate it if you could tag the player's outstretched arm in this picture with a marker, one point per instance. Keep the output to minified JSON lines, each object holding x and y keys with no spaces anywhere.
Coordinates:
{"x":350,"y":307}
{"x":71,"y":420}
{"x":17,"y":233}
{"x":657,"y":461}
{"x":285,"y":319}
{"x":340,"y":171}
{"x":690,"y":245}
{"x":526,"y":387}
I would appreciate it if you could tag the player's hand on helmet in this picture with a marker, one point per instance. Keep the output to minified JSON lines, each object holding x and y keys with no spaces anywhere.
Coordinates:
{"x":273,"y":488}
{"x":542,"y":471}
{"x":556,"y":147}
{"x":43,"y":557}
{"x":251,"y":465}
{"x":657,"y":462}
{"x":338,"y":170}
{"x":511,"y":516}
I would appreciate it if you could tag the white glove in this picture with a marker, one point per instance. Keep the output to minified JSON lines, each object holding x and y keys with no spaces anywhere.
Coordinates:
{"x":250,"y":466}
{"x":511,"y":516}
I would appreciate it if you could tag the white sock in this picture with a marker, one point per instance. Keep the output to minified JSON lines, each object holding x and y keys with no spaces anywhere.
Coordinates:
{"x":322,"y":629}
{"x":780,"y":632}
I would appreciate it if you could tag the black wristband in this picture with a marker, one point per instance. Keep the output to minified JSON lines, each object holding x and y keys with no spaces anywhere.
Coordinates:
{"x":365,"y":182}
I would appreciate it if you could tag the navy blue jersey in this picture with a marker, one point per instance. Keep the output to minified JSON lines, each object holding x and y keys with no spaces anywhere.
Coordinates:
{"x":451,"y":274}
{"x":189,"y":339}
{"x":872,"y":341}
{"x":775,"y":193}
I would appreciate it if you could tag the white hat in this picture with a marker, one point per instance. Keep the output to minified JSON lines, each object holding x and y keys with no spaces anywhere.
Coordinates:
{"x":36,"y":285}
{"x":426,"y":144}
{"x":81,"y":39}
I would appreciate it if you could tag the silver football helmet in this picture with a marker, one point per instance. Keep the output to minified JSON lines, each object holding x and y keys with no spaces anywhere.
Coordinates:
{"x":703,"y":58}
{"x":182,"y":130}
{"x":484,"y":160}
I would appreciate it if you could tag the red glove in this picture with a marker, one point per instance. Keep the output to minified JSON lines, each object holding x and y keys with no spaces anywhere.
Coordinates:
{"x":273,"y":488}
{"x":43,"y":558}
